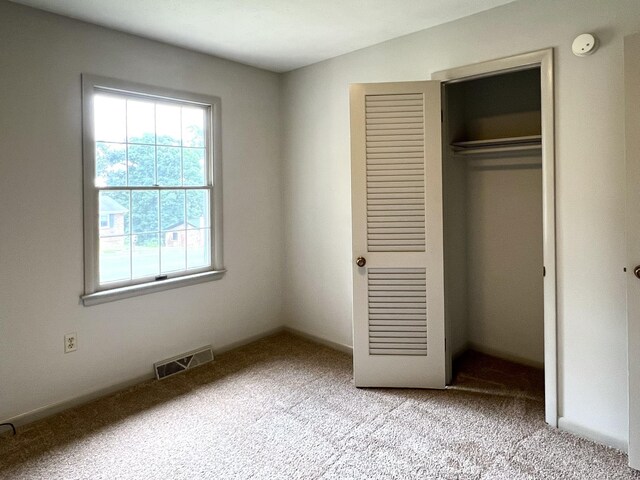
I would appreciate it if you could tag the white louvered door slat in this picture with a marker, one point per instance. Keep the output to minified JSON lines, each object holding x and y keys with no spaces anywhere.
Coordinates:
{"x":395,"y":335}
{"x":398,"y":312}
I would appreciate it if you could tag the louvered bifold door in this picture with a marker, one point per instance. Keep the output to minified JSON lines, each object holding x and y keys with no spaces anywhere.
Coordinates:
{"x":398,"y":281}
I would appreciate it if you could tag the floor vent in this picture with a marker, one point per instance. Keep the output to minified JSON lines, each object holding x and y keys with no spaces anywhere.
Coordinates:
{"x":182,"y":362}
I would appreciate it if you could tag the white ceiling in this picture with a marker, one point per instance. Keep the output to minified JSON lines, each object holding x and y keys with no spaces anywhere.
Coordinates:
{"x":277,"y":35}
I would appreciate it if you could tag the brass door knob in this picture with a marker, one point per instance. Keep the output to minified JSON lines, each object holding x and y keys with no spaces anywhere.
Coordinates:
{"x":361,"y":261}
{"x":636,"y":271}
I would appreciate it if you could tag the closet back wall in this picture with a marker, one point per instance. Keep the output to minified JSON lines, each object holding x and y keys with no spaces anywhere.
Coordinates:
{"x":505,"y":298}
{"x":590,"y":178}
{"x":41,"y":58}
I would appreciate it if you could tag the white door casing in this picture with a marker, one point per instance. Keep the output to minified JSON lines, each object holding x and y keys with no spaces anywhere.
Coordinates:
{"x":632,"y":132}
{"x":396,"y":177}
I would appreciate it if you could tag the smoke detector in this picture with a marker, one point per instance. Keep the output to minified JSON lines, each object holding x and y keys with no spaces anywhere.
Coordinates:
{"x":584,"y":45}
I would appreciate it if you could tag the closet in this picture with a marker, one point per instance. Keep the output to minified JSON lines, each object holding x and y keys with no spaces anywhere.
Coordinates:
{"x":453,"y":225}
{"x":493,"y":217}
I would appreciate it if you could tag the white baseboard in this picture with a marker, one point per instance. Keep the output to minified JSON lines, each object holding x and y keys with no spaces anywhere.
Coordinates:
{"x":584,"y":432}
{"x":321,"y":340}
{"x":57,"y":407}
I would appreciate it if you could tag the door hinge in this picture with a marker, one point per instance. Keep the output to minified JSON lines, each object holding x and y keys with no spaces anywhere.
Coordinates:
{"x":544,"y":271}
{"x":441,"y":116}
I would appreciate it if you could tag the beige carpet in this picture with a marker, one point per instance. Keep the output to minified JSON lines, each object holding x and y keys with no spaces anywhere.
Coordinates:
{"x":286,"y":408}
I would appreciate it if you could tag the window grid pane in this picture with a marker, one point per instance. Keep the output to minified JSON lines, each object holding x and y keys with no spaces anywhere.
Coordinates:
{"x":145,"y":256}
{"x":111,"y":164}
{"x":115,"y":254}
{"x":197,"y":250}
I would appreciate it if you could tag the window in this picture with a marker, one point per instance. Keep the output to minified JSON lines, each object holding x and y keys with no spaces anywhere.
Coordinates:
{"x":152,"y":193}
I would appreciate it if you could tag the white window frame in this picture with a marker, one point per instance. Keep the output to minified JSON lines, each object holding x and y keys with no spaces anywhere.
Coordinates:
{"x":95,"y":293}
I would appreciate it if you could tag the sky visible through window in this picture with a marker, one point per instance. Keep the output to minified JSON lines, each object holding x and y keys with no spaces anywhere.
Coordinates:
{"x":151,"y":144}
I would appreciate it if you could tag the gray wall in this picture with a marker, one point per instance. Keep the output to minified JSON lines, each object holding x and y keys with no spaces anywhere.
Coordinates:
{"x":41,"y":59}
{"x":504,"y":262}
{"x":590,"y":184}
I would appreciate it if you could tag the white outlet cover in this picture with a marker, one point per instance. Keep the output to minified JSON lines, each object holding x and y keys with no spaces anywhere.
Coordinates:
{"x":70,"y":342}
{"x":584,"y":45}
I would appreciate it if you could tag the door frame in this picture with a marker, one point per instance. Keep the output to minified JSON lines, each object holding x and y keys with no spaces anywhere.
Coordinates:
{"x":544,"y":60}
{"x":632,"y":159}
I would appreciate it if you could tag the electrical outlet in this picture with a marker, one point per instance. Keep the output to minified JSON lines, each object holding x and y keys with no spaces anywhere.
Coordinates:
{"x":70,"y":342}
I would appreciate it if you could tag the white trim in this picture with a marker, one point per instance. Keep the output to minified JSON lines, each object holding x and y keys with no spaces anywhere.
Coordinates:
{"x":543,"y":59}
{"x":96,"y":293}
{"x":592,"y":435}
{"x":341,"y":347}
{"x":632,"y":222}
{"x":104,"y":296}
{"x":57,"y":407}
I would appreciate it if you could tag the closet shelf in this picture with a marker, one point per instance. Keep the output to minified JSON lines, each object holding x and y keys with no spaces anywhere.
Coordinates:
{"x":494,"y":146}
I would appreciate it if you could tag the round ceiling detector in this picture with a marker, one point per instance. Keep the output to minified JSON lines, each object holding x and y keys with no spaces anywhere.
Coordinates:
{"x":584,"y":45}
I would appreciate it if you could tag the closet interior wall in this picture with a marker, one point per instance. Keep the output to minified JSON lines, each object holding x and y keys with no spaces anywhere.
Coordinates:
{"x":493,"y":218}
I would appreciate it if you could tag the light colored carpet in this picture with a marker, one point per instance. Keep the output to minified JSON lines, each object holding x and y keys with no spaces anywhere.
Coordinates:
{"x":286,"y":408}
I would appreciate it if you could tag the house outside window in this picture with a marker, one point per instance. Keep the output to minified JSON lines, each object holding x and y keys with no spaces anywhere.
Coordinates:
{"x":152,"y":189}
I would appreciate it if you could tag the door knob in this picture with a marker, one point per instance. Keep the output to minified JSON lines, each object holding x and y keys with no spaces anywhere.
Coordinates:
{"x":636,"y":271}
{"x":361,"y":262}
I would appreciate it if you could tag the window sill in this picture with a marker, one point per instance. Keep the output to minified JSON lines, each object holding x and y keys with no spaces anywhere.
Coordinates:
{"x":159,"y":286}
